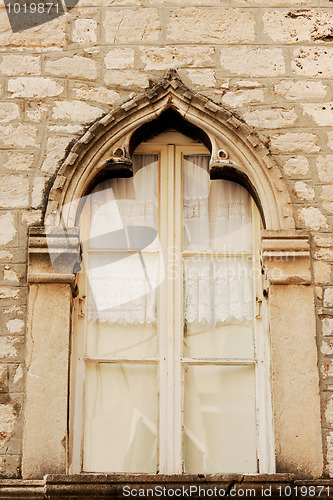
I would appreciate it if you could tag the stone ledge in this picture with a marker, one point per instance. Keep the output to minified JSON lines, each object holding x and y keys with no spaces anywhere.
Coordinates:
{"x":107,"y":486}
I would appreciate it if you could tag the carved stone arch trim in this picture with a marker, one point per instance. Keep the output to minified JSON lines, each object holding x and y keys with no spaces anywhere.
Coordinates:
{"x":245,"y":150}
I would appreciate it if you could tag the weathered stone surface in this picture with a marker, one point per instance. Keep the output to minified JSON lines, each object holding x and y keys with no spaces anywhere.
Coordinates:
{"x":242,"y":97}
{"x":328,"y":297}
{"x":14,"y":191}
{"x":66,"y":129}
{"x":300,"y":89}
{"x":293,"y":142}
{"x":55,"y":151}
{"x":202,"y":77}
{"x":313,"y":61}
{"x":132,"y":25}
{"x":304,"y":191}
{"x":15,"y":325}
{"x":322,"y":114}
{"x":10,"y":275}
{"x":34,"y":87}
{"x":297,"y":26}
{"x":119,"y":59}
{"x":225,"y":25}
{"x":13,"y":65}
{"x":8,"y":228}
{"x":271,"y":117}
{"x":312,"y":218}
{"x":76,"y":111}
{"x":325,"y":168}
{"x":19,"y":136}
{"x":326,"y":197}
{"x":323,"y":242}
{"x":36,"y":111}
{"x":298,"y":165}
{"x":327,"y":324}
{"x":9,"y":346}
{"x":19,"y":161}
{"x":330,"y":139}
{"x":73,"y":67}
{"x":9,"y":111}
{"x":162,"y":58}
{"x":322,"y":272}
{"x":8,"y":416}
{"x":250,"y":61}
{"x":30,"y":217}
{"x":84,"y":31}
{"x":327,"y":349}
{"x":324,"y":254}
{"x":126,"y":78}
{"x":46,"y":36}
{"x":296,"y":412}
{"x":99,"y":94}
{"x":38,"y":191}
{"x":7,"y":292}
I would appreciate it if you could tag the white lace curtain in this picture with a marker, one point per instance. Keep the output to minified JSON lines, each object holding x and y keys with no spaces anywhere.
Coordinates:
{"x":217,"y":218}
{"x":124,"y":222}
{"x":124,"y":281}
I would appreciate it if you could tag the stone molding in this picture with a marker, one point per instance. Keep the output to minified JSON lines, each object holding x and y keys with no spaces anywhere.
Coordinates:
{"x":225,"y":131}
{"x":53,"y":255}
{"x":286,"y":257}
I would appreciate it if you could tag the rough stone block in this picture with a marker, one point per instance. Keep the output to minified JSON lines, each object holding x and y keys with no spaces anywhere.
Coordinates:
{"x":297,"y":26}
{"x":312,"y":218}
{"x":313,"y":61}
{"x":119,"y":59}
{"x":38,"y":188}
{"x":98,"y":94}
{"x":218,"y":25}
{"x":243,"y":97}
{"x":19,"y":161}
{"x":55,"y":151}
{"x":328,"y":297}
{"x":8,"y":228}
{"x":163,"y":58}
{"x":34,"y":87}
{"x":202,"y":77}
{"x":9,"y":112}
{"x":303,"y":191}
{"x":14,"y":191}
{"x":271,"y":117}
{"x":330,"y":139}
{"x":325,"y":168}
{"x":326,"y":197}
{"x":12,"y":65}
{"x":253,"y":61}
{"x":51,"y":35}
{"x":18,"y":136}
{"x":84,"y":31}
{"x":300,"y":89}
{"x":322,"y":114}
{"x":293,"y":142}
{"x":322,"y":272}
{"x":327,"y":324}
{"x":76,"y":111}
{"x":73,"y":67}
{"x":126,"y":78}
{"x":132,"y":25}
{"x":298,"y":165}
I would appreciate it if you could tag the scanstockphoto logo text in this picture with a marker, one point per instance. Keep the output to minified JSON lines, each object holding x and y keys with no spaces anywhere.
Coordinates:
{"x":25,"y":14}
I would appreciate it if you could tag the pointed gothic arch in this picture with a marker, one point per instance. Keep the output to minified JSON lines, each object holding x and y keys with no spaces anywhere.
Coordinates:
{"x":246,"y":155}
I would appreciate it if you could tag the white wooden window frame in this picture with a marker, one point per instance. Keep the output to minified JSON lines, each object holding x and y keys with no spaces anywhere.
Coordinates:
{"x":170,"y":319}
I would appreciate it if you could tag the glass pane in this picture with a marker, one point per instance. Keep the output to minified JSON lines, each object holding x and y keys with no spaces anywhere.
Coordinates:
{"x":217,"y":213}
{"x":218,"y":307}
{"x":220,"y":419}
{"x":120,"y":418}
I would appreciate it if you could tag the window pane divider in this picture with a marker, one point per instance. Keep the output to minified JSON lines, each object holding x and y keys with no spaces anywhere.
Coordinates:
{"x":216,"y":254}
{"x":120,"y":360}
{"x":120,"y":250}
{"x":214,"y":361}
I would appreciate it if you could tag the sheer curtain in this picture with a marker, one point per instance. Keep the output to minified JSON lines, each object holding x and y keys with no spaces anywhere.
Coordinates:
{"x":122,"y":272}
{"x":217,"y":218}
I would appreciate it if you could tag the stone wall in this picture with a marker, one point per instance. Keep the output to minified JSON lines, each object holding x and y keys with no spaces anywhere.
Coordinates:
{"x":268,"y":61}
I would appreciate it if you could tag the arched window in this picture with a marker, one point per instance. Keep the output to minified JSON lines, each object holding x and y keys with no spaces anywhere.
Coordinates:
{"x":170,"y":358}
